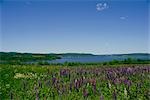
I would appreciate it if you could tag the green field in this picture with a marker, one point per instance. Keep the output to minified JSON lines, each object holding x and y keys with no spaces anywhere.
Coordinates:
{"x":89,"y":82}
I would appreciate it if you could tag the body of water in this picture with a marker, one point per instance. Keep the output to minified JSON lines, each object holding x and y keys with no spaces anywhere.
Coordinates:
{"x":95,"y":59}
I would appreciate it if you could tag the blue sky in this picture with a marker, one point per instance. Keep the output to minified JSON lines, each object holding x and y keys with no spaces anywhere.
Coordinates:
{"x":81,"y":26}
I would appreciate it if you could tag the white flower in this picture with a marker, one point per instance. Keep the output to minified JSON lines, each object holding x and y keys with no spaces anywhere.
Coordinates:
{"x":125,"y":92}
{"x":109,"y":85}
{"x":28,"y":75}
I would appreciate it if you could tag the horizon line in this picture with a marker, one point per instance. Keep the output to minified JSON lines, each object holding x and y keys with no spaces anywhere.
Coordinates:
{"x":76,"y":53}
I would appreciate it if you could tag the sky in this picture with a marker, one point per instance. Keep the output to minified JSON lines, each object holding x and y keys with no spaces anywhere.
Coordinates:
{"x":75,"y":26}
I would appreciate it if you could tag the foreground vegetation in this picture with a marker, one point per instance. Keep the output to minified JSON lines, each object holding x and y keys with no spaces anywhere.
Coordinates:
{"x":92,"y":82}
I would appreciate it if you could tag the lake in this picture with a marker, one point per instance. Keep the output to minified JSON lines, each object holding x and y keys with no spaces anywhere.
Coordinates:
{"x":97,"y":58}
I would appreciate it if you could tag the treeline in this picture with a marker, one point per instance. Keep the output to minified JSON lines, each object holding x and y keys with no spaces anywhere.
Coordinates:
{"x":127,"y":61}
{"x":42,"y":59}
{"x":24,"y":57}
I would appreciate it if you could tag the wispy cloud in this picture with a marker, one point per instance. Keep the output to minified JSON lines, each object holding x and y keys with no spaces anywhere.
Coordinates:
{"x":101,"y":6}
{"x":123,"y":17}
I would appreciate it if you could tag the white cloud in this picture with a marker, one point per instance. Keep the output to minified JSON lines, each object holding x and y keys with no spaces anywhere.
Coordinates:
{"x":101,"y":6}
{"x":123,"y":17}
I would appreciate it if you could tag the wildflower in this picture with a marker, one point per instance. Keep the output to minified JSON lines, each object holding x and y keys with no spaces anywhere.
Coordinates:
{"x":64,"y":72}
{"x":77,"y":84}
{"x":129,"y":70}
{"x":127,"y":82}
{"x":28,"y":75}
{"x":54,"y":80}
{"x":93,"y":83}
{"x":125,"y":91}
{"x":109,"y":85}
{"x":85,"y":93}
{"x":116,"y":81}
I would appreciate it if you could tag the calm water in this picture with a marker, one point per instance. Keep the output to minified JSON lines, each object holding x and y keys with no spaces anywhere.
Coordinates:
{"x":94,"y":59}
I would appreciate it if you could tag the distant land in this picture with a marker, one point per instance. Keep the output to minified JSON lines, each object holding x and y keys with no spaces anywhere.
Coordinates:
{"x":68,"y":57}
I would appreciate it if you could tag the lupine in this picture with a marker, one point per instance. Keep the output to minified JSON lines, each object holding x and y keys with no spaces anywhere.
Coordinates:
{"x":110,"y":75}
{"x":118,"y":80}
{"x":64,"y":72}
{"x":129,"y":70}
{"x":85,"y":93}
{"x":54,"y":80}
{"x":127,"y":82}
{"x":93,"y":83}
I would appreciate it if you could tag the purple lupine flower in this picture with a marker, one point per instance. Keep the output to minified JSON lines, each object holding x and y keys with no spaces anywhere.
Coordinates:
{"x":116,"y":81}
{"x":110,"y":75}
{"x":64,"y":72}
{"x":54,"y":80}
{"x":92,"y":81}
{"x":85,"y":93}
{"x":80,"y":82}
{"x":129,"y":70}
{"x":127,"y":82}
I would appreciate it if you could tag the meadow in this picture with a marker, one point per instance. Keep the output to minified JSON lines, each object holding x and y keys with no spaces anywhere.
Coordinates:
{"x":74,"y":50}
{"x":82,"y":82}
